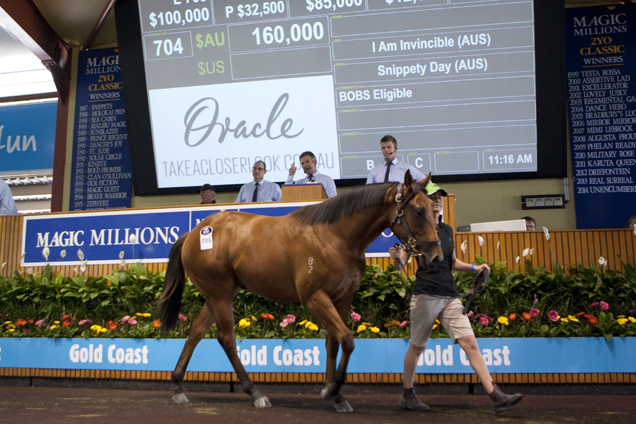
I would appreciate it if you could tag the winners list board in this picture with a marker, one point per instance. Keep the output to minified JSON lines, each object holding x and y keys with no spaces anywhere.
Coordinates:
{"x":232,"y":82}
{"x":601,"y":71}
{"x":101,"y":175}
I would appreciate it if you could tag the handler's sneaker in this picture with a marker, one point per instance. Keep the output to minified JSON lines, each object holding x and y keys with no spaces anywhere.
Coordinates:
{"x":501,"y":401}
{"x":408,"y":400}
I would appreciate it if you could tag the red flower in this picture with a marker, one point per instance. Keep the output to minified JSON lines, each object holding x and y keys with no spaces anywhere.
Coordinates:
{"x":592,"y":320}
{"x":156,"y":323}
{"x":512,"y":316}
{"x":527,"y":316}
{"x":21,"y":322}
{"x":267,"y":316}
{"x":112,"y":325}
{"x":580,"y":314}
{"x":66,"y":323}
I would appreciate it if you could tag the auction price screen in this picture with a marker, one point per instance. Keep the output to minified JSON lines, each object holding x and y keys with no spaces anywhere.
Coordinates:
{"x":232,"y":82}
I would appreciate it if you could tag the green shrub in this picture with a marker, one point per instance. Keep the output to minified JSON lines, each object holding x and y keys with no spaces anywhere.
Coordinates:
{"x":539,"y":303}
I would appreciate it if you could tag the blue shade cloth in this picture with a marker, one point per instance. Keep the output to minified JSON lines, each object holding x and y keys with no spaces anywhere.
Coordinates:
{"x":325,"y":180}
{"x":267,"y":192}
{"x":396,"y":172}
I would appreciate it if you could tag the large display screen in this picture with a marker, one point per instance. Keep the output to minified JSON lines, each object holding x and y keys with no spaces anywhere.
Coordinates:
{"x":470,"y":89}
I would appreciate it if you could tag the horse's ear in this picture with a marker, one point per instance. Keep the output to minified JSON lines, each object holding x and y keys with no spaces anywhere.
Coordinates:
{"x":408,"y":179}
{"x":426,"y":180}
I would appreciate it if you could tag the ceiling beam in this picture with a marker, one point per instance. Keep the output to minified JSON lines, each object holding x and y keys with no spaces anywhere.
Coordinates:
{"x":98,"y":25}
{"x":23,"y":19}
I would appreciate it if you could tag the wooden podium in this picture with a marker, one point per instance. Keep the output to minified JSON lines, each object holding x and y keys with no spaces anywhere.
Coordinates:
{"x":295,"y":193}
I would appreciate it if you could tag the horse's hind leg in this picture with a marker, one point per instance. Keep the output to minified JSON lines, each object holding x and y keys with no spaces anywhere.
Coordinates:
{"x":197,"y":331}
{"x":227,"y":339}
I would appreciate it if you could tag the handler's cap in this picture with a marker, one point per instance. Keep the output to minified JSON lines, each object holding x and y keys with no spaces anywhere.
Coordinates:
{"x":206,"y":187}
{"x":434,"y":188}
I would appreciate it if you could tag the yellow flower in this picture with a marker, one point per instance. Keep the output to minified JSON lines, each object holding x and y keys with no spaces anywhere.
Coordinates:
{"x":503,"y":320}
{"x":564,"y":320}
{"x":302,"y":322}
{"x":622,"y":321}
{"x":366,"y":323}
{"x":53,"y":327}
{"x":56,"y":322}
{"x":435,"y":326}
{"x":102,"y":330}
{"x":631,"y":319}
{"x":311,"y":326}
{"x":143,"y":314}
{"x":244,"y":323}
{"x":10,"y":326}
{"x":254,"y":318}
{"x":573,"y":318}
{"x":7,"y":322}
{"x":10,"y":330}
{"x":375,"y":329}
{"x":620,"y":316}
{"x":361,"y":328}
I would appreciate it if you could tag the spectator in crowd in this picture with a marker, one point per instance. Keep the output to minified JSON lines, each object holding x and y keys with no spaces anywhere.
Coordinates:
{"x":631,"y":223}
{"x":7,"y":204}
{"x":207,"y":194}
{"x":391,"y":169}
{"x":308,"y":162}
{"x":259,"y":190}
{"x":531,"y":224}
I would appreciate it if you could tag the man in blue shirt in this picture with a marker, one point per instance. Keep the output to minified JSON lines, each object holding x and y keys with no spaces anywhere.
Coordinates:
{"x":391,"y":169}
{"x":7,"y":205}
{"x":259,"y":190}
{"x":308,"y":162}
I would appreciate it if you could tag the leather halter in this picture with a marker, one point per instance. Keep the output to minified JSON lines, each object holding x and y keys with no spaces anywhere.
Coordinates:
{"x":410,"y":246}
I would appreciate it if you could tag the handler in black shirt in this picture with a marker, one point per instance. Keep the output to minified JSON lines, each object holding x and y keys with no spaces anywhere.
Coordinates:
{"x":435,"y":297}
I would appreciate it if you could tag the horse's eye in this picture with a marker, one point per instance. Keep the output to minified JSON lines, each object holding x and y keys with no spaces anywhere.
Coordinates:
{"x":419,"y":212}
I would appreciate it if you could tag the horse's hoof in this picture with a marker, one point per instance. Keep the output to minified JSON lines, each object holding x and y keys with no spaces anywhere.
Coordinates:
{"x":262,"y":402}
{"x":180,"y":398}
{"x":343,"y":406}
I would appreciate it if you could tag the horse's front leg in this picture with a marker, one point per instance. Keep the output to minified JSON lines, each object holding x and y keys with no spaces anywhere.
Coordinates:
{"x":227,"y":339}
{"x":323,"y":308}
{"x":197,"y":331}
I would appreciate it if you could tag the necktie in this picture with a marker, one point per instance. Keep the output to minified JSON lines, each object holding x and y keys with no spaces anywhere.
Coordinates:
{"x":255,"y":195}
{"x":388,"y":169}
{"x":310,"y":178}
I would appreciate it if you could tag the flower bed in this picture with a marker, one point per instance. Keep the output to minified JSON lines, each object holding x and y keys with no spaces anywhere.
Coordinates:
{"x":589,"y":303}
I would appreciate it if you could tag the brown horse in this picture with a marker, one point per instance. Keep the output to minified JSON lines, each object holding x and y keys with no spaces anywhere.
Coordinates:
{"x":314,"y":255}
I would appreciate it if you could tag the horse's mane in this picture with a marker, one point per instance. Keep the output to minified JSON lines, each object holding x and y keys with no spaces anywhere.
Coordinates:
{"x":350,"y":201}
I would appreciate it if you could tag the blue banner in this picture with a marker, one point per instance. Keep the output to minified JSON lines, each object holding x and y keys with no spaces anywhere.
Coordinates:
{"x":601,"y":77}
{"x":27,"y":137}
{"x":101,"y":175}
{"x":503,"y":355}
{"x":134,"y":236}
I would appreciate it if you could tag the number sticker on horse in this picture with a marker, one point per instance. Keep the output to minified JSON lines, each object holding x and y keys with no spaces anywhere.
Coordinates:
{"x":310,"y":262}
{"x":206,"y":238}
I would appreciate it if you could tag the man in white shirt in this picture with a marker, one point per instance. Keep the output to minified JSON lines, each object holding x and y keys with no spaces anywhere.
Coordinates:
{"x":308,"y":162}
{"x":391,"y":170}
{"x":7,"y":204}
{"x":259,"y":190}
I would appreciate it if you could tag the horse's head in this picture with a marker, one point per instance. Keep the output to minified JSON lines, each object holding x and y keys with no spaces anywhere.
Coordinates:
{"x":413,"y":222}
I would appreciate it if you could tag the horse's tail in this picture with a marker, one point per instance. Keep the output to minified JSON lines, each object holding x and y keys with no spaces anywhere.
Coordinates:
{"x":170,"y":299}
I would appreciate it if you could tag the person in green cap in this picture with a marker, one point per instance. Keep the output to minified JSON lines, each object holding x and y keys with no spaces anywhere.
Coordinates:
{"x":435,"y":297}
